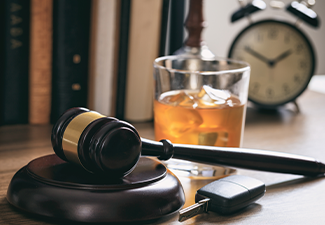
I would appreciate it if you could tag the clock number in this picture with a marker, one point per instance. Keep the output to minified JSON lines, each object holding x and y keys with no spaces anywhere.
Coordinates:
{"x":303,"y":64}
{"x":259,"y":37}
{"x":269,"y":93}
{"x":297,"y":78}
{"x":299,"y":48}
{"x":286,"y":89}
{"x":255,"y":88}
{"x":273,"y":33}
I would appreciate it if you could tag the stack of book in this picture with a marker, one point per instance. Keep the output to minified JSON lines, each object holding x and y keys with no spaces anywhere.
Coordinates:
{"x":59,"y":54}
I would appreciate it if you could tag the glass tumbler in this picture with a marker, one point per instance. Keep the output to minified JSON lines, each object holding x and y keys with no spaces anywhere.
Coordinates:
{"x":200,"y":101}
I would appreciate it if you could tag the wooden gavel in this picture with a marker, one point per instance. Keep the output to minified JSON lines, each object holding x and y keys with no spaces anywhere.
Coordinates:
{"x":108,"y":146}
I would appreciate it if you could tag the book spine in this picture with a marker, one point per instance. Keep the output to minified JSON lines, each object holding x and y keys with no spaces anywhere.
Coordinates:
{"x":164,"y":27}
{"x":176,"y":25}
{"x":14,"y":54}
{"x":102,"y":50}
{"x":40,"y":72}
{"x":143,"y":49}
{"x":122,"y":57}
{"x":71,"y":31}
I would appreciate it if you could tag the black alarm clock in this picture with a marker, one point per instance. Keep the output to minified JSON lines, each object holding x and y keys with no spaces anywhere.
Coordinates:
{"x":281,"y":56}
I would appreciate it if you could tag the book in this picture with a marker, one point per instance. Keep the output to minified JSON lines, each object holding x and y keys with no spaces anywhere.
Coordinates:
{"x":176,"y":25}
{"x":122,"y":57}
{"x":144,"y":42}
{"x":103,"y":48}
{"x":14,"y":54}
{"x":164,"y":27}
{"x":71,"y":31}
{"x":40,"y":71}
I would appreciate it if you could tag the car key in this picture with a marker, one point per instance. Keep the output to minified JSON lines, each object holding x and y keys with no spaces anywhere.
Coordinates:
{"x":225,"y":196}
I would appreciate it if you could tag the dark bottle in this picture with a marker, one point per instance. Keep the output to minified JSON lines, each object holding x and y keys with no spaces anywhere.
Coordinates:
{"x":100,"y":144}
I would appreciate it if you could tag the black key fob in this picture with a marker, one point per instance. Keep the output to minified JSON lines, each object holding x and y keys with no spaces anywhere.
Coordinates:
{"x":231,"y":194}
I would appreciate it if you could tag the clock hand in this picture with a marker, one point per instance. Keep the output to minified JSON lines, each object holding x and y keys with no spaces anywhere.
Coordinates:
{"x":282,"y":56}
{"x":257,"y":55}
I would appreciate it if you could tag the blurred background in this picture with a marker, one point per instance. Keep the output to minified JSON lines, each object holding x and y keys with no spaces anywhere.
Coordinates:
{"x":58,"y":54}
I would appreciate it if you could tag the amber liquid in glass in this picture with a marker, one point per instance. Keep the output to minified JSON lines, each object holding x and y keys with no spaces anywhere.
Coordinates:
{"x":206,"y":117}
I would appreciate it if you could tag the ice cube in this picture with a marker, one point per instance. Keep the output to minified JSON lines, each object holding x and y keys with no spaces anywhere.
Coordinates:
{"x":188,"y":101}
{"x":182,"y":98}
{"x":211,"y":97}
{"x":181,"y":120}
{"x":207,"y":138}
{"x":233,"y":101}
{"x":219,"y":138}
{"x":216,"y":94}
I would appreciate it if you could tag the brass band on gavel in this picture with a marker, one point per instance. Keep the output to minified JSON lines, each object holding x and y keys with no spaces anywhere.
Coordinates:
{"x":98,"y":143}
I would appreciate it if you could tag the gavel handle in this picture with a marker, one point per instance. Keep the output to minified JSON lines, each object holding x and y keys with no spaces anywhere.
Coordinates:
{"x":254,"y":159}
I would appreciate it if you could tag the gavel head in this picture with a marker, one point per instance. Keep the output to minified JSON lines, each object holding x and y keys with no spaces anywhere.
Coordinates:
{"x":100,"y":144}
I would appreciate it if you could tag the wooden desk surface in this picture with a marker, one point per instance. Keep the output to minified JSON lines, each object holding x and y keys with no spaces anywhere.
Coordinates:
{"x":289,"y":199}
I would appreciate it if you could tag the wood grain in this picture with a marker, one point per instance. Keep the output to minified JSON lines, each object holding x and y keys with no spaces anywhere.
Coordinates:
{"x":289,"y":199}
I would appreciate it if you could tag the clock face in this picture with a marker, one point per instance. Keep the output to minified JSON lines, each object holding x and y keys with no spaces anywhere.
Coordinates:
{"x":281,"y":58}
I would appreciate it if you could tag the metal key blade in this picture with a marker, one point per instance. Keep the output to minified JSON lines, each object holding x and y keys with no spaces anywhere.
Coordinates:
{"x":193,"y":210}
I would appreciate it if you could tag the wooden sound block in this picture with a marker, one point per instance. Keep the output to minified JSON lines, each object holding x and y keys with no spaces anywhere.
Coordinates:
{"x":51,"y":187}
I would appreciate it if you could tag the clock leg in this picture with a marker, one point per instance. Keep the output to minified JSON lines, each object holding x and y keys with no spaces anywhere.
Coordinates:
{"x":293,"y":107}
{"x":297,"y":106}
